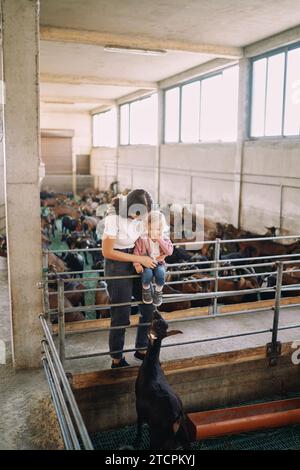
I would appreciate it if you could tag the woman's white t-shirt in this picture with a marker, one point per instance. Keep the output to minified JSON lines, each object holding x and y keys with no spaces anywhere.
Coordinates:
{"x":125,"y":231}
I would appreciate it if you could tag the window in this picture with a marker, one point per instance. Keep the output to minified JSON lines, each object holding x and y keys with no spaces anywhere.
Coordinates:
{"x":292,"y":94}
{"x":105,"y":129}
{"x":139,"y":122}
{"x":204,"y":109}
{"x":124,"y":131}
{"x":275,"y":108}
{"x":210,"y":125}
{"x":172,"y":115}
{"x":258,"y":97}
{"x":190,"y":114}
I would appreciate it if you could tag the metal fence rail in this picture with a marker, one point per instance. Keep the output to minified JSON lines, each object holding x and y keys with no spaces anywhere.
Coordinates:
{"x":72,"y":427}
{"x":214,"y":267}
{"x":68,"y":414}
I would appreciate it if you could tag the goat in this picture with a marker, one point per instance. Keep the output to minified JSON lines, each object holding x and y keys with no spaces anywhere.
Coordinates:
{"x":156,"y":402}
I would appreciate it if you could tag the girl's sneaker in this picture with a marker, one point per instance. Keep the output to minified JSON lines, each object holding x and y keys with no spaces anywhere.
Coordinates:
{"x":157,"y":298}
{"x":147,"y":296}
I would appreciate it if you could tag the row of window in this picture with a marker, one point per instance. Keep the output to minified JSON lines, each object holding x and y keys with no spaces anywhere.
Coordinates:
{"x":138,"y":122}
{"x":276,"y":94}
{"x":206,"y":109}
{"x":203,"y":110}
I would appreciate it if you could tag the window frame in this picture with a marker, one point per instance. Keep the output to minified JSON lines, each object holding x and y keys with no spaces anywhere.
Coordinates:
{"x":129,"y":103}
{"x":267,"y":55}
{"x":180,"y":85}
{"x":98,"y":114}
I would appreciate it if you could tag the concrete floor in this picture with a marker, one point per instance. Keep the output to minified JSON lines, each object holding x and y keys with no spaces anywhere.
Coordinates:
{"x":27,"y":417}
{"x":86,"y":343}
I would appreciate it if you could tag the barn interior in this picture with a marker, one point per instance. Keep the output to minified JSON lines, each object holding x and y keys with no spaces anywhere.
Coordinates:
{"x":197,"y":102}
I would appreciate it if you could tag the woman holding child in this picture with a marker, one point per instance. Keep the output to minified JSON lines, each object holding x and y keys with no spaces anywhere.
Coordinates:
{"x":134,"y":241}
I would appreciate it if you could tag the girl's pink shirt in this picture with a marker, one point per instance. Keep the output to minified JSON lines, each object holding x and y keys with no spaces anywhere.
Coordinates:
{"x":142,"y":247}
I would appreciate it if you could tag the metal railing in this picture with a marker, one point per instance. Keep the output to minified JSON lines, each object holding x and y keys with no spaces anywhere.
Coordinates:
{"x":274,"y":263}
{"x":68,"y":414}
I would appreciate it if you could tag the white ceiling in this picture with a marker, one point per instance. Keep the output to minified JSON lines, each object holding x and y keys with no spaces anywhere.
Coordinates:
{"x":66,"y":108}
{"x":230,"y":22}
{"x":85,"y":91}
{"x":219,"y":22}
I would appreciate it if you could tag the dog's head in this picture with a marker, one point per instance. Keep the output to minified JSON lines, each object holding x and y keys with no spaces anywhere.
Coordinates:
{"x":159,"y":328}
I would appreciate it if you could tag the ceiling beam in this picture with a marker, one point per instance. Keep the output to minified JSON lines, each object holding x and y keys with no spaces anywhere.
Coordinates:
{"x":202,"y":69}
{"x":76,"y":99}
{"x":133,"y":96}
{"x":100,"y":109}
{"x":50,"y":33}
{"x":89,"y":80}
{"x":273,"y":42}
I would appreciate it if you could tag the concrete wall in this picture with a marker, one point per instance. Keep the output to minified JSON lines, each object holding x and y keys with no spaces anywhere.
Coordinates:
{"x":134,"y":166}
{"x":199,"y":173}
{"x":107,"y":401}
{"x":65,"y":182}
{"x":80,"y":123}
{"x":204,"y":173}
{"x":271,"y":185}
{"x":103,"y":166}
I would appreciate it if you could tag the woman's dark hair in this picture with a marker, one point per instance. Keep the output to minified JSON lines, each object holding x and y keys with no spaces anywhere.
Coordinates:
{"x":137,"y":202}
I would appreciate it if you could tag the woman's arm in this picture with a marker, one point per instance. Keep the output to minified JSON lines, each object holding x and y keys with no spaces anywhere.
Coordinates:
{"x":109,"y":252}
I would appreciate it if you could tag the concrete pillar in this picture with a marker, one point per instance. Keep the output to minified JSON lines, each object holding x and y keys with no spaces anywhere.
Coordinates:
{"x":118,"y":139}
{"x":242,"y":134}
{"x":74,"y":169}
{"x":2,"y":196}
{"x":20,"y":30}
{"x":160,"y":128}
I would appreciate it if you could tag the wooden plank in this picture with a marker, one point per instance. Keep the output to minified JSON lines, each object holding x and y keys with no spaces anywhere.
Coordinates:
{"x":177,"y":315}
{"x":106,"y":377}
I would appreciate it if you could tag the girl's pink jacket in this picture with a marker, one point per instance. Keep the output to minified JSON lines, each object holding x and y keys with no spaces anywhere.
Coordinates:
{"x":142,"y":247}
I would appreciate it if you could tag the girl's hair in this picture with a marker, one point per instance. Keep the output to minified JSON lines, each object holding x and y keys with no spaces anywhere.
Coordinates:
{"x":158,"y":217}
{"x":137,"y":202}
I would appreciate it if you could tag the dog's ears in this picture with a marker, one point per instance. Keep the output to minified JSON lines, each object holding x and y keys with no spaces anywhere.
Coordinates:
{"x":173,"y":332}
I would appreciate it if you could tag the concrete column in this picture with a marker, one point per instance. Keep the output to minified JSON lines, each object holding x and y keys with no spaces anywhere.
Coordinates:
{"x":74,"y":169}
{"x":2,"y":196}
{"x":118,"y":119}
{"x":242,"y":131}
{"x":160,"y":129}
{"x":20,"y":29}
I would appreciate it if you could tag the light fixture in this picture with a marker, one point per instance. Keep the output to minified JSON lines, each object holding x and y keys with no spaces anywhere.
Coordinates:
{"x":135,"y":50}
{"x":49,"y":101}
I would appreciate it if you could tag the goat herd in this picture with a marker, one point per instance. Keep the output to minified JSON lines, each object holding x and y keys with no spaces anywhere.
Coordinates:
{"x":78,"y":221}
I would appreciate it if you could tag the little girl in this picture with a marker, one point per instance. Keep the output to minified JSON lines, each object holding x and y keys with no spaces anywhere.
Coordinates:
{"x":156,"y":244}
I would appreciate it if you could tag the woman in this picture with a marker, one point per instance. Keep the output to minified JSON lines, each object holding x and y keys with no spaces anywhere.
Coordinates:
{"x":123,"y":226}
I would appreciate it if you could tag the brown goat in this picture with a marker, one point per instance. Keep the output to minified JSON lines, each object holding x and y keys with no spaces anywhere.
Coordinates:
{"x":69,"y":316}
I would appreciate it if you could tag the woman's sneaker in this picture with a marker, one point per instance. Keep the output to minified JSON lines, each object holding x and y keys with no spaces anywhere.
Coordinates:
{"x":147,"y":296}
{"x":121,"y":363}
{"x":157,"y":298}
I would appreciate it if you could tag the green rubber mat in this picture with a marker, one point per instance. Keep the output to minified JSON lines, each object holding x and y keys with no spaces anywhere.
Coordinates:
{"x":57,"y":244}
{"x":284,"y":438}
